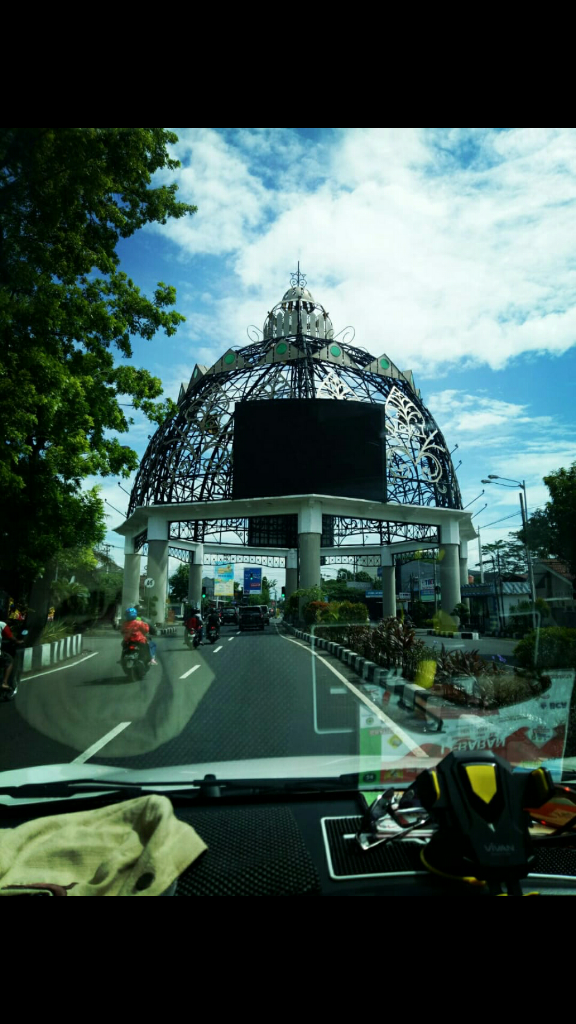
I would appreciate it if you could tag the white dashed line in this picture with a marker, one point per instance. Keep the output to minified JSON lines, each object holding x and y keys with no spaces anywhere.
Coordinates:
{"x":100,"y":743}
{"x":216,"y":649}
{"x":190,"y":671}
{"x":230,"y":638}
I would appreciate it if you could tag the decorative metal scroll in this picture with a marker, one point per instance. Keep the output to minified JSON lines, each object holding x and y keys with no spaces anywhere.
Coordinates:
{"x":411,"y":445}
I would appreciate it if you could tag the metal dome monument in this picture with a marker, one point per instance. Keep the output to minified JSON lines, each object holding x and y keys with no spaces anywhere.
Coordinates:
{"x":297,"y":449}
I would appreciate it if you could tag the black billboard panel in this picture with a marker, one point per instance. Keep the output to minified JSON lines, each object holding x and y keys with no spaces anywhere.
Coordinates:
{"x":309,"y":446}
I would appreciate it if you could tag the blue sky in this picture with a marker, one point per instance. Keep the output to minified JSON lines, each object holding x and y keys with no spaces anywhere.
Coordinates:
{"x":452,"y":250}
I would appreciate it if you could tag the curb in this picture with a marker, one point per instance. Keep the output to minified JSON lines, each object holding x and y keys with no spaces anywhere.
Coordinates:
{"x":44,"y":655}
{"x":369,"y":671}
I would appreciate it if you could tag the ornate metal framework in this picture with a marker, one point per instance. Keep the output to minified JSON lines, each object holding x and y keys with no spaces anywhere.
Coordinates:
{"x":189,"y":458}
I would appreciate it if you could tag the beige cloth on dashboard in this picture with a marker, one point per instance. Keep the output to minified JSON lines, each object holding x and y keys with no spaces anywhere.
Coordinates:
{"x":134,"y":848}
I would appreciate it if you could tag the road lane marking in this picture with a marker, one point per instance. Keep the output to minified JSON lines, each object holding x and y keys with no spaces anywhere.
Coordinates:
{"x":230,"y":638}
{"x":216,"y":649}
{"x":190,"y":671}
{"x":338,"y":689}
{"x":100,"y":743}
{"x":48,"y":671}
{"x":404,"y":736}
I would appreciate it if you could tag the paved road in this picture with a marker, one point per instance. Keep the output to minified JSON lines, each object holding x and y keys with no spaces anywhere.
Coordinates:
{"x":251,"y":695}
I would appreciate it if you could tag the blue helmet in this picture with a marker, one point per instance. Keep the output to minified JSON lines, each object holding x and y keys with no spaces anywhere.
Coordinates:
{"x":130,"y":614}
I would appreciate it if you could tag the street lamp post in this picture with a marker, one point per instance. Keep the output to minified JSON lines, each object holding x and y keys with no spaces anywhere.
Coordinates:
{"x":494,"y":478}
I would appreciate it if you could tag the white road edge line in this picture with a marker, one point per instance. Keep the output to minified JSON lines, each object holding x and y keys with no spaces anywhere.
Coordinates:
{"x":37,"y":675}
{"x":404,"y":736}
{"x":190,"y":671}
{"x":216,"y":649}
{"x":100,"y":743}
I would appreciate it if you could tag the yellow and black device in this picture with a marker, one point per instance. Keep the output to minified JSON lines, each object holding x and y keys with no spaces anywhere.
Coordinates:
{"x":478,"y":805}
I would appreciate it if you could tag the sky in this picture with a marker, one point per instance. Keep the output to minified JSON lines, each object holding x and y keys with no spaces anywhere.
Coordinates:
{"x":449,"y":249}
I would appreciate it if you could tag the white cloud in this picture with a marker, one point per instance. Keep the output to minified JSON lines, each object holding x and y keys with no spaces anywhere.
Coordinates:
{"x":436,"y":257}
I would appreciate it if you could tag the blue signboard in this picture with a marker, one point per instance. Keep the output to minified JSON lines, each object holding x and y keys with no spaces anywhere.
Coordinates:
{"x":252,"y":581}
{"x":373,"y":593}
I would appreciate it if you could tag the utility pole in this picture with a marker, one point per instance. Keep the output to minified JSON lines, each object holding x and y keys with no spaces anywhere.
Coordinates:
{"x":528,"y":555}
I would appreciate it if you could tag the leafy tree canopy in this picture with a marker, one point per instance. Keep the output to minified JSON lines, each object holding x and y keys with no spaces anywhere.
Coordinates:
{"x":67,"y":197}
{"x":179,"y":583}
{"x":551,"y":531}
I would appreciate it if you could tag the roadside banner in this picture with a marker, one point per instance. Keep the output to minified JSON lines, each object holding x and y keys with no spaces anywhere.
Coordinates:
{"x":224,"y":579}
{"x":253,"y":581}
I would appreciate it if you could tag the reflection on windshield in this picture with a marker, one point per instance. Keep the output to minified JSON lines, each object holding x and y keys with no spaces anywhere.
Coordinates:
{"x":293,"y":701}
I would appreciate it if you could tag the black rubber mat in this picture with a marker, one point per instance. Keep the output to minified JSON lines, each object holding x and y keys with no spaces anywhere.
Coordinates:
{"x":348,"y":859}
{"x":558,"y":861}
{"x":251,"y":852}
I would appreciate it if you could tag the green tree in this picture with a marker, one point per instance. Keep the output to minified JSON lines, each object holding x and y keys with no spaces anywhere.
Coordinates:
{"x":541,"y":536}
{"x":561,"y":513}
{"x":506,"y":556}
{"x":550,"y":531}
{"x":179,"y":583}
{"x":363,"y":577}
{"x":67,"y":197}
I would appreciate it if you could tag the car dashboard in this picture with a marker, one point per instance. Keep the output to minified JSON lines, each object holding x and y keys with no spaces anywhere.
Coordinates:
{"x":305,"y":845}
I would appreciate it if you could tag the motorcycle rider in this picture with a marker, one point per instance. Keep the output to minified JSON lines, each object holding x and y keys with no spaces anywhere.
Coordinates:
{"x":194,"y":621}
{"x":214,"y":619}
{"x":152,"y":631}
{"x":134,"y":630}
{"x":7,"y":635}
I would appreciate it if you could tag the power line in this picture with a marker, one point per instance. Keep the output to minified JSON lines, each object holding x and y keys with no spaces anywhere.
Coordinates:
{"x":513,"y":516}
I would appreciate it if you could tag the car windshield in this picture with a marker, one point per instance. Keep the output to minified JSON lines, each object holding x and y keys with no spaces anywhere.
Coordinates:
{"x":300,"y":549}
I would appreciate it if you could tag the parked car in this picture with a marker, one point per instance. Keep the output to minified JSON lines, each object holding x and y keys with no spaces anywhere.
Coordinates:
{"x":251,"y":617}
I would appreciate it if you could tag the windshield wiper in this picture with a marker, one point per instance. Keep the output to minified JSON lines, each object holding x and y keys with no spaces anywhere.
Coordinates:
{"x":208,"y":787}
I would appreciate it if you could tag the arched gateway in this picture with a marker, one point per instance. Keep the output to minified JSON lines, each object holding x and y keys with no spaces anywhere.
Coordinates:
{"x":300,"y":446}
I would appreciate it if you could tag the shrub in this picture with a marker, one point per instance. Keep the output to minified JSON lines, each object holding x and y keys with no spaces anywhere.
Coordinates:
{"x":349,"y":611}
{"x":54,"y":631}
{"x":462,"y":612}
{"x":556,"y":648}
{"x":312,"y":610}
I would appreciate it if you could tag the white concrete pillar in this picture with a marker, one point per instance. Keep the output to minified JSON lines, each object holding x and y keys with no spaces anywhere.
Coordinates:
{"x":195,"y":576}
{"x":309,"y":537}
{"x":464,"y":569}
{"x":131,"y":579}
{"x":291,"y":572}
{"x":450,"y":566}
{"x":388,"y":583}
{"x":158,"y":565}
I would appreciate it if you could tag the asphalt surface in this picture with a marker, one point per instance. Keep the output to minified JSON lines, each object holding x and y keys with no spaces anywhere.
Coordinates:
{"x":250,"y":695}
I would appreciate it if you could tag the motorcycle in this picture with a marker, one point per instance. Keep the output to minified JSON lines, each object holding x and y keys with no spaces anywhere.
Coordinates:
{"x":192,"y":637}
{"x":10,"y":651}
{"x":213,"y":634}
{"x":134,"y":660}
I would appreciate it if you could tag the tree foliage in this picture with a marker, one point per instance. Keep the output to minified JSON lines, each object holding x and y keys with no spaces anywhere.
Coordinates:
{"x":561,"y":513}
{"x":505,"y":557}
{"x":550,"y":531}
{"x":67,"y":312}
{"x":179,"y":583}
